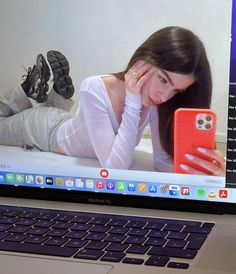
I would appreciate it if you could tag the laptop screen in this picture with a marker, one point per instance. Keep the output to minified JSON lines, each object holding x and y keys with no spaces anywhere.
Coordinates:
{"x":96,"y":147}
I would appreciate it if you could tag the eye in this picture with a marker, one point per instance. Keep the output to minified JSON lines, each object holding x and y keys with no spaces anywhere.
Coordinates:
{"x":162,"y":80}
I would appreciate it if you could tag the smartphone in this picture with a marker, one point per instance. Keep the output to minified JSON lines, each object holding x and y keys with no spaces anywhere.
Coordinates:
{"x":193,"y":128}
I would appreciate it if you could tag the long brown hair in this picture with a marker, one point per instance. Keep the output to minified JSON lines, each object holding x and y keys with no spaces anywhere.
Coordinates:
{"x":178,"y":50}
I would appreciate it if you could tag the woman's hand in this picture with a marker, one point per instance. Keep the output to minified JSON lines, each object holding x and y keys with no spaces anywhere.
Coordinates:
{"x":216,"y":166}
{"x":136,"y":76}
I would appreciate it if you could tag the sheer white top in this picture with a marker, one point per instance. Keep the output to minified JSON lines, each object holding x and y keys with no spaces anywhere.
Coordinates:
{"x":94,"y":131}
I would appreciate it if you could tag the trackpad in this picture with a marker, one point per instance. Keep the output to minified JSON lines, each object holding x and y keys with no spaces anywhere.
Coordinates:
{"x":220,"y":253}
{"x":26,"y":265}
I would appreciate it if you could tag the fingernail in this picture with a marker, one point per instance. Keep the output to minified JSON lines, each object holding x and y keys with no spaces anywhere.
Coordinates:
{"x":184,"y":167}
{"x":202,"y":150}
{"x":189,"y":156}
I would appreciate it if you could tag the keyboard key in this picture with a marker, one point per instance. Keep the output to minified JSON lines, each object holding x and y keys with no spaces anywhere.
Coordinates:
{"x":157,"y":234}
{"x":138,"y":232}
{"x":82,"y":227}
{"x":26,"y":222}
{"x":89,"y":254}
{"x":36,"y":239}
{"x":176,"y":243}
{"x":117,"y":222}
{"x":12,"y":213}
{"x":117,"y":247}
{"x":76,"y":243}
{"x":3,"y":235}
{"x":63,"y":218}
{"x":62,"y":225}
{"x":172,"y":252}
{"x":99,"y":229}
{"x":2,"y":211}
{"x":55,"y":241}
{"x":76,"y":234}
{"x":29,"y":215}
{"x":155,"y":226}
{"x":56,"y":232}
{"x":157,"y":261}
{"x":37,"y":249}
{"x":195,"y":241}
{"x":8,"y":220}
{"x":137,"y":249}
{"x":16,"y":238}
{"x":95,"y":236}
{"x":136,"y":224}
{"x":155,"y":241}
{"x":5,"y":227}
{"x":128,"y":260}
{"x":173,"y":227}
{"x":46,"y":216}
{"x":208,"y":224}
{"x":195,"y":229}
{"x":99,"y":221}
{"x":119,"y":230}
{"x":81,"y":219}
{"x":19,"y":229}
{"x":97,"y":245}
{"x":111,"y":256}
{"x":178,"y":265}
{"x":135,"y":240}
{"x":38,"y":230}
{"x":44,"y":223}
{"x":115,"y":238}
{"x":177,"y":235}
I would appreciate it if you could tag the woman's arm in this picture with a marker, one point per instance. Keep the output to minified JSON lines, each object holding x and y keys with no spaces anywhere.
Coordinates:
{"x":116,"y":149}
{"x":113,"y":149}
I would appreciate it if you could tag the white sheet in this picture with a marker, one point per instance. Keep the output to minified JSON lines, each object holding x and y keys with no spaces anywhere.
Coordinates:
{"x":143,"y":159}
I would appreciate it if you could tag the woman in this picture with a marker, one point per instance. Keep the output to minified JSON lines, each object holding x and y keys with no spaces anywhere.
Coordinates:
{"x":169,"y":70}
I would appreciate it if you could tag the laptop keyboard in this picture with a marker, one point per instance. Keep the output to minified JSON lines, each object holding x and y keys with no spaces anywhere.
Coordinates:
{"x":109,"y":238}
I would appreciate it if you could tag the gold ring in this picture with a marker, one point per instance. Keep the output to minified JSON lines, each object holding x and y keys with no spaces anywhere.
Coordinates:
{"x":214,"y":162}
{"x":134,"y":74}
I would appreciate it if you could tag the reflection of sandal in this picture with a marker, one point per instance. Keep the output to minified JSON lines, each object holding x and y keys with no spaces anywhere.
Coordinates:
{"x":35,"y":85}
{"x":60,"y":68}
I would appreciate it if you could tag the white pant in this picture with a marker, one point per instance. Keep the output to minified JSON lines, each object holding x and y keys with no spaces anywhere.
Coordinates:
{"x":23,"y":125}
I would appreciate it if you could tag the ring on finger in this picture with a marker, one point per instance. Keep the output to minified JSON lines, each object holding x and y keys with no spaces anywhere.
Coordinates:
{"x":134,"y":74}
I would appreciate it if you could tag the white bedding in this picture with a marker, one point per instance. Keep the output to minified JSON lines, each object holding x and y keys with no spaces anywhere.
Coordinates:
{"x":143,"y":159}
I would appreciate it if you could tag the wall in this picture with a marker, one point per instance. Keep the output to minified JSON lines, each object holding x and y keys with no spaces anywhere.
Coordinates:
{"x":100,"y":36}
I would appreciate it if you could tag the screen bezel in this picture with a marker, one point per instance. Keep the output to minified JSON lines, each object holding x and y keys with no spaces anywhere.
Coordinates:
{"x":118,"y":200}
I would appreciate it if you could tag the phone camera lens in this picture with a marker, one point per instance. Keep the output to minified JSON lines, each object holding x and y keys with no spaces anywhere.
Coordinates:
{"x":200,"y":122}
{"x":208,"y":118}
{"x":208,"y":126}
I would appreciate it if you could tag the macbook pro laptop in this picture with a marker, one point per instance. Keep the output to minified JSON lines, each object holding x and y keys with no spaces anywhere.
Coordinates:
{"x":60,"y":214}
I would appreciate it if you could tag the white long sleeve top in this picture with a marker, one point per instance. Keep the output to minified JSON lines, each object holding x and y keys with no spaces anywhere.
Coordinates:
{"x":94,"y":131}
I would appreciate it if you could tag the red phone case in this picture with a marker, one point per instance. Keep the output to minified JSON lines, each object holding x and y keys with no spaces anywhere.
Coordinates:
{"x":192,"y":128}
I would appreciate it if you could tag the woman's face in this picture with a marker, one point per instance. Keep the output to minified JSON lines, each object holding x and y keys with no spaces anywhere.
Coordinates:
{"x":163,"y":85}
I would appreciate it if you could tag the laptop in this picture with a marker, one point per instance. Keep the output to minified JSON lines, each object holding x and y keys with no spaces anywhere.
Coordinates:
{"x":61,"y":214}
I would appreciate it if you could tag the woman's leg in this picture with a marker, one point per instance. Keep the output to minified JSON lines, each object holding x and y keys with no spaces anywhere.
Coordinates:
{"x":13,"y":101}
{"x":32,"y":128}
{"x":63,"y":88}
{"x":63,"y":84}
{"x":58,"y":101}
{"x":35,"y":84}
{"x":24,"y":126}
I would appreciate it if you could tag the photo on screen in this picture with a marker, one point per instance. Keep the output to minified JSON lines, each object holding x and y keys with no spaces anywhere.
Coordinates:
{"x":125,"y":75}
